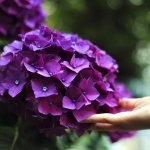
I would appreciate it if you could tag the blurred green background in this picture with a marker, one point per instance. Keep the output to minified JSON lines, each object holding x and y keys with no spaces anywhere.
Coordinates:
{"x":122,"y":28}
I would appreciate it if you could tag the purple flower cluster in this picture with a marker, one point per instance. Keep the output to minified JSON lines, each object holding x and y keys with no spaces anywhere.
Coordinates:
{"x":58,"y":80}
{"x":20,"y":16}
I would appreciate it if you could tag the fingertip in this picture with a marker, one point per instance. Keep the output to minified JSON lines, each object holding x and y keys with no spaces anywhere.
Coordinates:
{"x":101,"y":118}
{"x":121,"y":100}
{"x":126,"y":103}
{"x":88,"y":120}
{"x":92,"y":119}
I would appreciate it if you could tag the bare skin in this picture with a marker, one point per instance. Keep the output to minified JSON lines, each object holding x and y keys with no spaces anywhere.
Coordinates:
{"x":137,"y":117}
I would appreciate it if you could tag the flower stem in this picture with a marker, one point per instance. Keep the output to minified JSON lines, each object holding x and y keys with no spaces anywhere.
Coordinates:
{"x":16,"y":134}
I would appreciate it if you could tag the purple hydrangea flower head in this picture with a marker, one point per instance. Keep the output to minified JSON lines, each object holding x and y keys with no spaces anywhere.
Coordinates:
{"x":84,"y":112}
{"x":88,"y":89}
{"x":42,"y":64}
{"x":14,"y":82}
{"x":109,"y":100}
{"x":20,"y":16}
{"x":66,"y":77}
{"x":50,"y":105}
{"x":57,"y":79}
{"x":43,"y":88}
{"x":105,"y":61}
{"x":76,"y":64}
{"x":74,"y":99}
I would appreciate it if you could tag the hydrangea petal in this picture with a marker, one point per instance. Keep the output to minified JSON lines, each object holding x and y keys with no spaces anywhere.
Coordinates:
{"x":67,"y":103}
{"x":49,"y":88}
{"x":84,"y":113}
{"x":46,"y":108}
{"x":15,"y":90}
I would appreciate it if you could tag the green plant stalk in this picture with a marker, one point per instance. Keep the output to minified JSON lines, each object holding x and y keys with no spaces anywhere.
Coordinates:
{"x":16,"y":133}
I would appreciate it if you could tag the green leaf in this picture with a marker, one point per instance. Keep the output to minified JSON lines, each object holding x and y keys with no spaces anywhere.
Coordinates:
{"x":23,"y":137}
{"x":14,"y":139}
{"x":93,"y":141}
{"x":7,"y":135}
{"x":4,"y":42}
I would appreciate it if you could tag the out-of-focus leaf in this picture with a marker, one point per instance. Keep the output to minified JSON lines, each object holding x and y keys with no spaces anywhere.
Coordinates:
{"x":11,"y":139}
{"x":4,"y":42}
{"x":93,"y":141}
{"x":7,"y":135}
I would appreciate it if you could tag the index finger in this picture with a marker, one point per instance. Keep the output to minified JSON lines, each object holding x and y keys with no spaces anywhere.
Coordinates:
{"x":118,"y":118}
{"x":99,"y":118}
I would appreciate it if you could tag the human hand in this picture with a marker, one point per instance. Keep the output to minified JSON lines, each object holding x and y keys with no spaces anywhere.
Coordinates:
{"x":137,"y":117}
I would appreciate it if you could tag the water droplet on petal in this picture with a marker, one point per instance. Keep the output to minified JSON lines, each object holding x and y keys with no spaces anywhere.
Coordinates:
{"x":44,"y":89}
{"x":42,"y":33}
{"x":38,"y":46}
{"x":32,"y":64}
{"x":17,"y":82}
{"x":74,"y":66}
{"x":50,"y":102}
{"x":63,"y":80}
{"x":74,"y":100}
{"x":51,"y":74}
{"x":104,"y":79}
{"x":84,"y":93}
{"x":73,"y":43}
